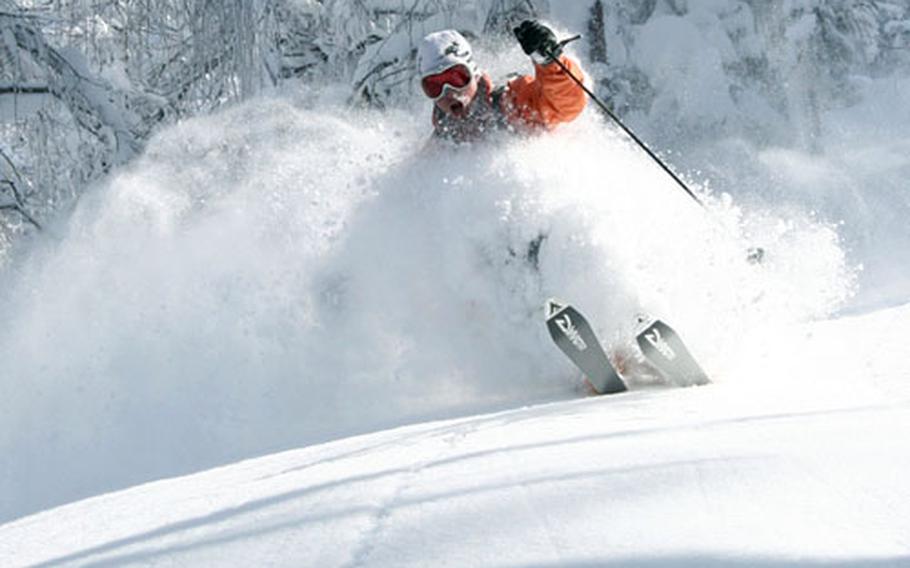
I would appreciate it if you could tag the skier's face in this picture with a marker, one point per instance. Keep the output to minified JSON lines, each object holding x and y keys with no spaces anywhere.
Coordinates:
{"x":452,"y":89}
{"x":456,"y":100}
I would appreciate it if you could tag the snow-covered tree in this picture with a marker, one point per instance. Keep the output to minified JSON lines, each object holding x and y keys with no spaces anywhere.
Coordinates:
{"x":85,"y":83}
{"x":43,"y":87}
{"x":770,"y":69}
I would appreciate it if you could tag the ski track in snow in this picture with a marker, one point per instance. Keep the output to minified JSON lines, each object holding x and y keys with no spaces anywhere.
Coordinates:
{"x":370,"y":538}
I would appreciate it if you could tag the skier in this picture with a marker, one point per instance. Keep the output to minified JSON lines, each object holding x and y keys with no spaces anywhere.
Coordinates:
{"x":468,"y":106}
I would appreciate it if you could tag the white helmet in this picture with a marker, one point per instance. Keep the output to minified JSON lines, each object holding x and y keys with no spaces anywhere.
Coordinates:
{"x":441,"y":50}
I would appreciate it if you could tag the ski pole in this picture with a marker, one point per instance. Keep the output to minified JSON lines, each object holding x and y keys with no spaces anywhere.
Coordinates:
{"x":754,"y":254}
{"x":619,"y":123}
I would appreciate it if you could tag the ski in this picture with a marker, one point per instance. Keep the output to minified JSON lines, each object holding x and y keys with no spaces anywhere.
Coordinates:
{"x":664,"y":349}
{"x":573,"y":335}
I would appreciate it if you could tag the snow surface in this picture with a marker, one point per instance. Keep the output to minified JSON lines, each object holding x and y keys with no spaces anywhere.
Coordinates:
{"x":801,"y":463}
{"x":286,"y":274}
{"x":276,"y":276}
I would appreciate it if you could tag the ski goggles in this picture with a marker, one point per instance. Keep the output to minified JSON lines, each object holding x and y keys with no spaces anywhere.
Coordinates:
{"x":457,"y":77}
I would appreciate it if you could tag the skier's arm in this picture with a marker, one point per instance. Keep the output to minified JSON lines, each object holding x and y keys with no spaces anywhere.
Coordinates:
{"x":551,"y":96}
{"x":548,"y":98}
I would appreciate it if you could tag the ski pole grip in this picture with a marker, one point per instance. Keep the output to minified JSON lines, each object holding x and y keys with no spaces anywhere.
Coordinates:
{"x":560,"y":45}
{"x":569,"y":40}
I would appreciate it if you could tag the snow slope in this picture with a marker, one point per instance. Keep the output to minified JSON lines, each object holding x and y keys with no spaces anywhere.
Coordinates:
{"x":801,"y":463}
{"x":288,"y":273}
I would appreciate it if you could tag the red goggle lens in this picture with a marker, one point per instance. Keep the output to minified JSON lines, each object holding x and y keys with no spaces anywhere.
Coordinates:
{"x":457,"y":77}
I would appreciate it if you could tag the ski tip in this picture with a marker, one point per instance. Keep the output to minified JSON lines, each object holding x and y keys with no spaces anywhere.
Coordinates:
{"x":553,"y":307}
{"x":643,"y":320}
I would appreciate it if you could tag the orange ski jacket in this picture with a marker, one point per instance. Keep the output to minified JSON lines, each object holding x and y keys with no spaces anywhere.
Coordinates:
{"x":548,"y":98}
{"x":525,"y":104}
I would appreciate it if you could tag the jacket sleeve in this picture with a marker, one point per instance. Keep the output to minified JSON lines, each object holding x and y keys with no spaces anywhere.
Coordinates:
{"x":548,"y":98}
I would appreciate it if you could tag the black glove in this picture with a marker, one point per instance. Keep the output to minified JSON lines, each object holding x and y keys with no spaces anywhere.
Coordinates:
{"x":538,"y":41}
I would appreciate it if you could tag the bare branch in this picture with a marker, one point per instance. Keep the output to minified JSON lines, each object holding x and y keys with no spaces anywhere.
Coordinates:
{"x":24,"y":90}
{"x":11,"y":164}
{"x":24,"y":215}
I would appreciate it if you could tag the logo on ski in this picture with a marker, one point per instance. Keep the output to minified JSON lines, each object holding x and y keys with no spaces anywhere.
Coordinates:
{"x":658,"y":342}
{"x":573,"y":335}
{"x":565,"y":325}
